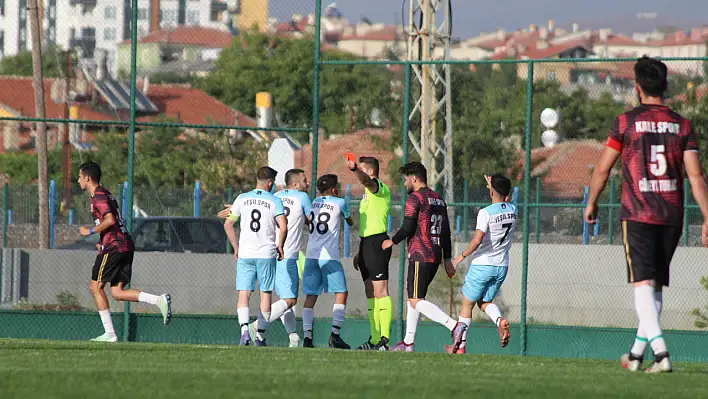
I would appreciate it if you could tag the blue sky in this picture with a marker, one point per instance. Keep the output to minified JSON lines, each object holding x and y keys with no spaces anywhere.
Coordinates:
{"x":473,"y":16}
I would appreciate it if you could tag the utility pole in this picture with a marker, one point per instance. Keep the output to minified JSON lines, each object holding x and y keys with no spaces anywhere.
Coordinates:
{"x":41,"y":126}
{"x":66,"y":144}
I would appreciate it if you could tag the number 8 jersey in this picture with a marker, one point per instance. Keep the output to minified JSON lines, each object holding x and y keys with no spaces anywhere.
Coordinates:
{"x":325,"y":227}
{"x":498,"y":222}
{"x":257,"y":210}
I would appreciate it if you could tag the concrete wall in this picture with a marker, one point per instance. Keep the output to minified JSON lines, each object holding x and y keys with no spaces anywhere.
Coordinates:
{"x":567,"y":284}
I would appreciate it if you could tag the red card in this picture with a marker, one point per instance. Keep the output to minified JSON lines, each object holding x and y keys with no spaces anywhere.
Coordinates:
{"x":349,"y":156}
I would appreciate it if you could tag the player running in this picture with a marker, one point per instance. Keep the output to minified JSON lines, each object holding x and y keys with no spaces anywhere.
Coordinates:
{"x":656,"y":145}
{"x":323,"y":270}
{"x":256,"y":250}
{"x":114,"y":262}
{"x":426,"y":227}
{"x":489,"y":249}
{"x":372,"y":261}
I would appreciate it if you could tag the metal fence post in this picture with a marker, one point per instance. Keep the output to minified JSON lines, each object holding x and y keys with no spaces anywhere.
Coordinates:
{"x":316,"y":96}
{"x":515,"y":196}
{"x":527,"y":182}
{"x":466,"y":210}
{"x":197,"y":198}
{"x":686,"y":191}
{"x":124,"y":204}
{"x":586,"y":235}
{"x":347,"y":228}
{"x":537,"y":219}
{"x":402,"y":246}
{"x":5,"y":213}
{"x":458,"y":220}
{"x":9,"y":216}
{"x":611,"y":213}
{"x":52,"y":199}
{"x":229,"y":199}
{"x":71,"y":217}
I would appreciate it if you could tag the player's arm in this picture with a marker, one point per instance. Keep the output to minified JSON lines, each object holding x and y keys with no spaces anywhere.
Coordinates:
{"x":608,"y":157}
{"x":480,"y":232}
{"x":347,"y":213}
{"x":694,"y":171}
{"x":410,"y":220}
{"x":231,"y":220}
{"x":371,"y":184}
{"x":283,"y":228}
{"x":107,"y":220}
{"x":306,"y":208}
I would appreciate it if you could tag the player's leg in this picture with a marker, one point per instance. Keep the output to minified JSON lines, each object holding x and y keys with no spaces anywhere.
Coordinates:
{"x":311,"y":287}
{"x":487,"y":305}
{"x":99,"y":297}
{"x":265,"y":274}
{"x":334,"y":281}
{"x":466,"y":319}
{"x":378,"y":262}
{"x":374,"y":325}
{"x":290,"y":325}
{"x":245,"y":284}
{"x":412,"y":315}
{"x":473,"y":289}
{"x":122,"y":277}
{"x":287,"y":283}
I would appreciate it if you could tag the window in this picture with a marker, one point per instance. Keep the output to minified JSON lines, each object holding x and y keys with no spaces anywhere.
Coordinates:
{"x":110,"y":34}
{"x":142,"y":14}
{"x":88,"y":33}
{"x":193,"y":18}
{"x":2,"y":42}
{"x":168,"y":16}
{"x":110,"y":12}
{"x":215,"y":16}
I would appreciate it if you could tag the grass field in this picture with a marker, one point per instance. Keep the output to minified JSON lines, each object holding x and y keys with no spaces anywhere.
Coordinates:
{"x":64,"y":369}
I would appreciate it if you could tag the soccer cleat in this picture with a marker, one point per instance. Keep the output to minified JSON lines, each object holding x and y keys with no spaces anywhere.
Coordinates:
{"x":504,"y":334}
{"x":661,"y":366}
{"x":307,"y":343}
{"x":630,"y":362}
{"x":258,"y":342}
{"x":366,"y":346}
{"x":402,"y":347}
{"x":253,"y":330}
{"x":457,"y":334}
{"x":294,"y":341}
{"x":245,"y":339}
{"x":336,"y":342}
{"x":451,"y":349}
{"x":105,"y":338}
{"x":382,"y":345}
{"x":165,"y":305}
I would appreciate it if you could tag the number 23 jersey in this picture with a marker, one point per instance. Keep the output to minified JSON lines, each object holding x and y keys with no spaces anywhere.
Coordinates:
{"x":325,"y":227}
{"x":257,"y":210}
{"x":498,"y":222}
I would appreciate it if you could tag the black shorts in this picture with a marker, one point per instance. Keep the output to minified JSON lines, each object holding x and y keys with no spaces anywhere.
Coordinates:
{"x":648,"y":249}
{"x":113,"y":267}
{"x":373,"y":261}
{"x":420,"y":276}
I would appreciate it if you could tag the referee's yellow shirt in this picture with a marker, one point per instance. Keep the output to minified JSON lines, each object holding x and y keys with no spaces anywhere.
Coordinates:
{"x":373,"y":211}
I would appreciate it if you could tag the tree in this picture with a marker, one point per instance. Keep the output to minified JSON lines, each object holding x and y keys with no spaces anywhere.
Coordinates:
{"x":283,"y":67}
{"x":21,"y":64}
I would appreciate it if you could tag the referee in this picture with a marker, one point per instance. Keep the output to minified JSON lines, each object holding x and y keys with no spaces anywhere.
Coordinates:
{"x":372,"y":261}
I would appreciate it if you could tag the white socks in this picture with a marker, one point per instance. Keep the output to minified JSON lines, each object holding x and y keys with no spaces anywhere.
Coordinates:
{"x":464,"y":334}
{"x":493,"y":312}
{"x":411,"y":324}
{"x":434,"y":313}
{"x":144,"y":297}
{"x":288,"y":319}
{"x":263,"y":322}
{"x":243,"y":318}
{"x":278,"y":309}
{"x":644,"y":300}
{"x":308,"y":315}
{"x":641,"y":341}
{"x":107,"y":321}
{"x":338,"y":317}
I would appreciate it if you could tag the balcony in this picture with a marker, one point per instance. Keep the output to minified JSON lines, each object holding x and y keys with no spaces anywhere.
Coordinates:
{"x":87,"y":44}
{"x":216,"y":6}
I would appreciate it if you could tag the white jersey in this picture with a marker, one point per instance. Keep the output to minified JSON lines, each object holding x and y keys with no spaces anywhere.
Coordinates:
{"x":498,"y":222}
{"x":257,"y":210}
{"x":325,"y":225}
{"x":297,"y":207}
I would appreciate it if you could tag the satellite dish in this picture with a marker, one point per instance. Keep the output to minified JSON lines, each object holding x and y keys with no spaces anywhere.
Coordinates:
{"x":550,"y":118}
{"x":550,"y":138}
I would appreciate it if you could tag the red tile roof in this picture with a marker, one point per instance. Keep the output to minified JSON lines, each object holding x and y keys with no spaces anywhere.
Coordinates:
{"x":680,"y":38}
{"x":387,"y":33}
{"x":331,"y":156}
{"x":555,"y":49}
{"x":190,"y":35}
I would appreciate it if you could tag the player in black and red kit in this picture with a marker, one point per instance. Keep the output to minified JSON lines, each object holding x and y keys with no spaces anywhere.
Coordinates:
{"x":426,"y":226}
{"x":114,"y":262}
{"x":657,"y":146}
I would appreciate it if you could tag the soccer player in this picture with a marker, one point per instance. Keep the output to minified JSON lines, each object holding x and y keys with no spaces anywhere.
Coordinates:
{"x":489,"y":249}
{"x":260,"y":213}
{"x":323,"y":270}
{"x":372,"y":260}
{"x":656,"y":145}
{"x":114,"y":262}
{"x":427,"y":229}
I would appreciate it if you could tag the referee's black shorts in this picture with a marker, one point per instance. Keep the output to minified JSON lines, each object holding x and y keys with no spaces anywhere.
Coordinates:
{"x":373,"y":261}
{"x":649,"y":249}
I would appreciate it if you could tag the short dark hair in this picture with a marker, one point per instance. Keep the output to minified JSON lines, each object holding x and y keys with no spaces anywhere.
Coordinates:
{"x":415,"y":169}
{"x":372,"y":162}
{"x":651,"y":75}
{"x":266,"y":173}
{"x":92,"y":170}
{"x":501,"y":184}
{"x":325,"y":182}
{"x":290,"y":174}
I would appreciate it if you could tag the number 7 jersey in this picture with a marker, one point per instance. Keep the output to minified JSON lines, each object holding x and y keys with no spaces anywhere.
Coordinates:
{"x":257,"y":210}
{"x":325,"y":226}
{"x":498,"y":222}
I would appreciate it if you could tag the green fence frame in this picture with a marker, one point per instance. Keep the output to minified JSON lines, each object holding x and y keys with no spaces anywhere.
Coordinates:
{"x":525,"y":332}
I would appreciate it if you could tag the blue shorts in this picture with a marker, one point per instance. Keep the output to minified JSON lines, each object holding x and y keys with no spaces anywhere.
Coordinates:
{"x":250,"y":270}
{"x":323,"y":276}
{"x":483,"y":282}
{"x":287,"y":281}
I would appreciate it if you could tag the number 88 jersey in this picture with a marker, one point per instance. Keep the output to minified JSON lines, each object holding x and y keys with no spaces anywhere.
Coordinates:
{"x":325,"y":227}
{"x":498,"y":222}
{"x":257,"y":210}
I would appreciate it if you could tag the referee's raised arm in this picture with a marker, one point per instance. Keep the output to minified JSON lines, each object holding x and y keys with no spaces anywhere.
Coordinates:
{"x":372,"y":259}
